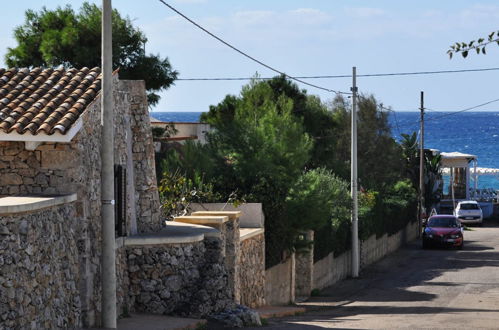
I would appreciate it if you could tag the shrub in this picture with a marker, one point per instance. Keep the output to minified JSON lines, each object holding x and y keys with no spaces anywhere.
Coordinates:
{"x":390,"y":212}
{"x":321,"y":201}
{"x":177,"y":192}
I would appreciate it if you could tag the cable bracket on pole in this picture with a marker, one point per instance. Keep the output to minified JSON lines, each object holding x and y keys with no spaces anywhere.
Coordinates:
{"x":108,"y":201}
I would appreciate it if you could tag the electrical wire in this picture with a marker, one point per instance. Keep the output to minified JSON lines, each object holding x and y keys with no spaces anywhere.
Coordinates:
{"x":249,"y":56}
{"x":347,"y":76}
{"x":464,"y":110}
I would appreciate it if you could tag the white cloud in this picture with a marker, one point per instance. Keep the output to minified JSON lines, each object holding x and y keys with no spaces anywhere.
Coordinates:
{"x":189,"y":1}
{"x":478,"y":12}
{"x":253,"y":17}
{"x":364,"y":12}
{"x":309,"y":16}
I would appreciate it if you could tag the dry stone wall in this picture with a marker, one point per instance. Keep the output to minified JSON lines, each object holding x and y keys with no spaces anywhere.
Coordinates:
{"x":62,"y":168}
{"x":187,"y":279}
{"x":252,"y":271}
{"x":39,"y":272}
{"x":146,"y":190}
{"x":123,"y":304}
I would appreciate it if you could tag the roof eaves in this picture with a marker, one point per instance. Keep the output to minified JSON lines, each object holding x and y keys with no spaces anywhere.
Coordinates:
{"x":42,"y":136}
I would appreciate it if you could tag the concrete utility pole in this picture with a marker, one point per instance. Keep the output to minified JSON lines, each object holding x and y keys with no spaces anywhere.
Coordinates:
{"x":354,"y":180}
{"x":421,"y":166}
{"x":108,"y":263}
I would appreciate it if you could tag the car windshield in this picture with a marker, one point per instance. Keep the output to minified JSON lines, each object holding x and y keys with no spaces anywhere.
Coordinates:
{"x":442,"y":222}
{"x":469,"y":206}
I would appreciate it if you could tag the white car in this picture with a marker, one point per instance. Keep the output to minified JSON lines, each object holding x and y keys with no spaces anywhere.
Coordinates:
{"x":469,"y":212}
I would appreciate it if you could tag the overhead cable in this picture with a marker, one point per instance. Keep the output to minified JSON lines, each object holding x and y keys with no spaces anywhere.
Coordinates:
{"x":463,"y":110}
{"x":249,"y":56}
{"x":347,"y":75}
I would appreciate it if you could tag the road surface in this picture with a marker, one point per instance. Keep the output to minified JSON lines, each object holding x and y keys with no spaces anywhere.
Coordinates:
{"x":414,"y":288}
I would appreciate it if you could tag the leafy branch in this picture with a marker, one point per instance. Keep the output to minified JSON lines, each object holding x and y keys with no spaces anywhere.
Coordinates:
{"x":477,"y":45}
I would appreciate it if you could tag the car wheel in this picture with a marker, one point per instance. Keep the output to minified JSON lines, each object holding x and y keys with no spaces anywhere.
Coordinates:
{"x":460,"y":247}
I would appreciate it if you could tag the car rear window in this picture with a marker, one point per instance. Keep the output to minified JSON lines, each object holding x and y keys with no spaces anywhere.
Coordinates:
{"x":469,"y":206}
{"x":442,"y":222}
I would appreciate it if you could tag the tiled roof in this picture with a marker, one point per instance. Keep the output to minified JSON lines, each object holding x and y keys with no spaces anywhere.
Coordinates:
{"x":45,"y":101}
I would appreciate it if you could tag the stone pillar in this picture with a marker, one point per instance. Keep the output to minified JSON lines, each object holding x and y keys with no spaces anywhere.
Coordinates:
{"x":304,"y":267}
{"x":231,"y":238}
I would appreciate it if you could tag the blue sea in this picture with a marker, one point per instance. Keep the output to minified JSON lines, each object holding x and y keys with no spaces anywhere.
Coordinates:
{"x":474,"y":133}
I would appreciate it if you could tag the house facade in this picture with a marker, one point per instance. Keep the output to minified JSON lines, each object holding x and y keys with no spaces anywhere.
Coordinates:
{"x":50,"y":136}
{"x":50,"y":213}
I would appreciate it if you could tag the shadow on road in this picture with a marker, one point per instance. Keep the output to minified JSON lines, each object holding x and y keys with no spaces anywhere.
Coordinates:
{"x":406,"y":282}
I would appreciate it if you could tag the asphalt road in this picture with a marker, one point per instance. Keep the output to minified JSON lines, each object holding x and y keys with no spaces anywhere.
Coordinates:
{"x":414,"y":288}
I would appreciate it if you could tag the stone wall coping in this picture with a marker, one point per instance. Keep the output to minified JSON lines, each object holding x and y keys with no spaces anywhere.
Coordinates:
{"x":231,"y":214}
{"x":246,"y":233}
{"x":173,"y":233}
{"x":202,"y":220}
{"x":21,"y":204}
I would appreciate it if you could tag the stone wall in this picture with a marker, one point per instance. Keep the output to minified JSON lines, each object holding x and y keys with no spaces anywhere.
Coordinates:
{"x":123,"y":304}
{"x":39,"y":272}
{"x":142,"y":146}
{"x":232,"y":256}
{"x":252,"y":271}
{"x":183,"y":279}
{"x":62,"y":168}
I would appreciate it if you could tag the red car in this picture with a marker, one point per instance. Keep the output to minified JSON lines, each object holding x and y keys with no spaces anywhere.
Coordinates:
{"x":443,"y":230}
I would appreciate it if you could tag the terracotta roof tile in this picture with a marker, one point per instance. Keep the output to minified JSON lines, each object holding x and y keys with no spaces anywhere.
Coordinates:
{"x":45,"y":100}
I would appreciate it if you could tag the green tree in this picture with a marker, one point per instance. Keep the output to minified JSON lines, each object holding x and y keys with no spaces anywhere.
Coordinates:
{"x":410,"y":153}
{"x":380,"y":162}
{"x":432,"y":180}
{"x":65,"y":37}
{"x":260,"y":153}
{"x":317,"y":121}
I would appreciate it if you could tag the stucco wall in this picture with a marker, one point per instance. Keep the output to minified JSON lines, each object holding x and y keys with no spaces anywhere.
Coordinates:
{"x":39,"y":269}
{"x":280,"y":283}
{"x":373,"y":249}
{"x":332,"y":269}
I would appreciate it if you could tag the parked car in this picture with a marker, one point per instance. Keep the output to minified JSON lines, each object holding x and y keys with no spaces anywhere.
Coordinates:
{"x":443,"y":230}
{"x":469,"y":212}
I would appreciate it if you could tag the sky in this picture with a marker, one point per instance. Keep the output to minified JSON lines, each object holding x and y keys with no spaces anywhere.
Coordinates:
{"x":309,"y":38}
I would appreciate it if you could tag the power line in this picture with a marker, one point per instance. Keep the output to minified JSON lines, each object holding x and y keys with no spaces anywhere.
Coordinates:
{"x":463,"y":110}
{"x":344,"y":76}
{"x":447,"y":114}
{"x":246,"y":55}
